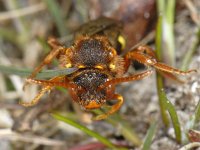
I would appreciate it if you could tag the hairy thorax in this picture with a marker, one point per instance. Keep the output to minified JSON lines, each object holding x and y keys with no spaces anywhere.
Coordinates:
{"x":91,"y":52}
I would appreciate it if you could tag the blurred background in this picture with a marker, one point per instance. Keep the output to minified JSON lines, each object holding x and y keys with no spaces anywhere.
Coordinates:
{"x":25,"y":26}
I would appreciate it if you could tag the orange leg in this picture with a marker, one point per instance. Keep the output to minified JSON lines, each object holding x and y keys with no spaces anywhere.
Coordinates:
{"x":36,"y":99}
{"x":61,"y":81}
{"x":126,"y":79}
{"x":146,"y":56}
{"x":113,"y":109}
{"x":57,"y":49}
{"x":48,"y":85}
{"x":146,"y":50}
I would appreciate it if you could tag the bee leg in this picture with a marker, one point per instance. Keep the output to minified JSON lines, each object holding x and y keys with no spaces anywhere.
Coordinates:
{"x":57,"y":49}
{"x":48,"y":85}
{"x":146,"y":56}
{"x":113,"y":109}
{"x":133,"y":77}
{"x":36,"y":99}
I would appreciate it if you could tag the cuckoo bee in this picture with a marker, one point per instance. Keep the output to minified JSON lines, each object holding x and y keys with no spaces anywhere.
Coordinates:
{"x":96,"y":53}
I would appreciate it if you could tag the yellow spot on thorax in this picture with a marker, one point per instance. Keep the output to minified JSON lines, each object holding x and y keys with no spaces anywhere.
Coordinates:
{"x":81,"y":66}
{"x":68,"y":65}
{"x":122,"y":41}
{"x":99,"y":67}
{"x":112,"y":66}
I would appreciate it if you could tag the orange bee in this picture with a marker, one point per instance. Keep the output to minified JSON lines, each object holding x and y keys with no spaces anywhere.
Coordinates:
{"x":96,"y":53}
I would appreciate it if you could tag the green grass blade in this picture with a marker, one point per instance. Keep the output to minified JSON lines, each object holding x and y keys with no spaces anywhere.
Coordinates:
{"x":169,"y":14}
{"x":166,"y":9}
{"x":158,"y":77}
{"x":57,"y":16}
{"x":149,"y":137}
{"x":174,"y":117}
{"x":40,"y":75}
{"x":86,"y":130}
{"x":163,"y":108}
{"x":165,"y":104}
{"x":170,"y":11}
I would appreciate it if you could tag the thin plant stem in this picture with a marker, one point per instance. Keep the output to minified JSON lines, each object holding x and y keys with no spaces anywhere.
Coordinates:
{"x":158,"y":76}
{"x":149,"y":136}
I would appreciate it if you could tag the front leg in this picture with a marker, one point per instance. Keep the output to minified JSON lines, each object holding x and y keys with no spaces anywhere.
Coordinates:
{"x":57,"y":49}
{"x":146,"y":56}
{"x":36,"y":99}
{"x":47,"y":86}
{"x":44,"y":89}
{"x":113,"y":109}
